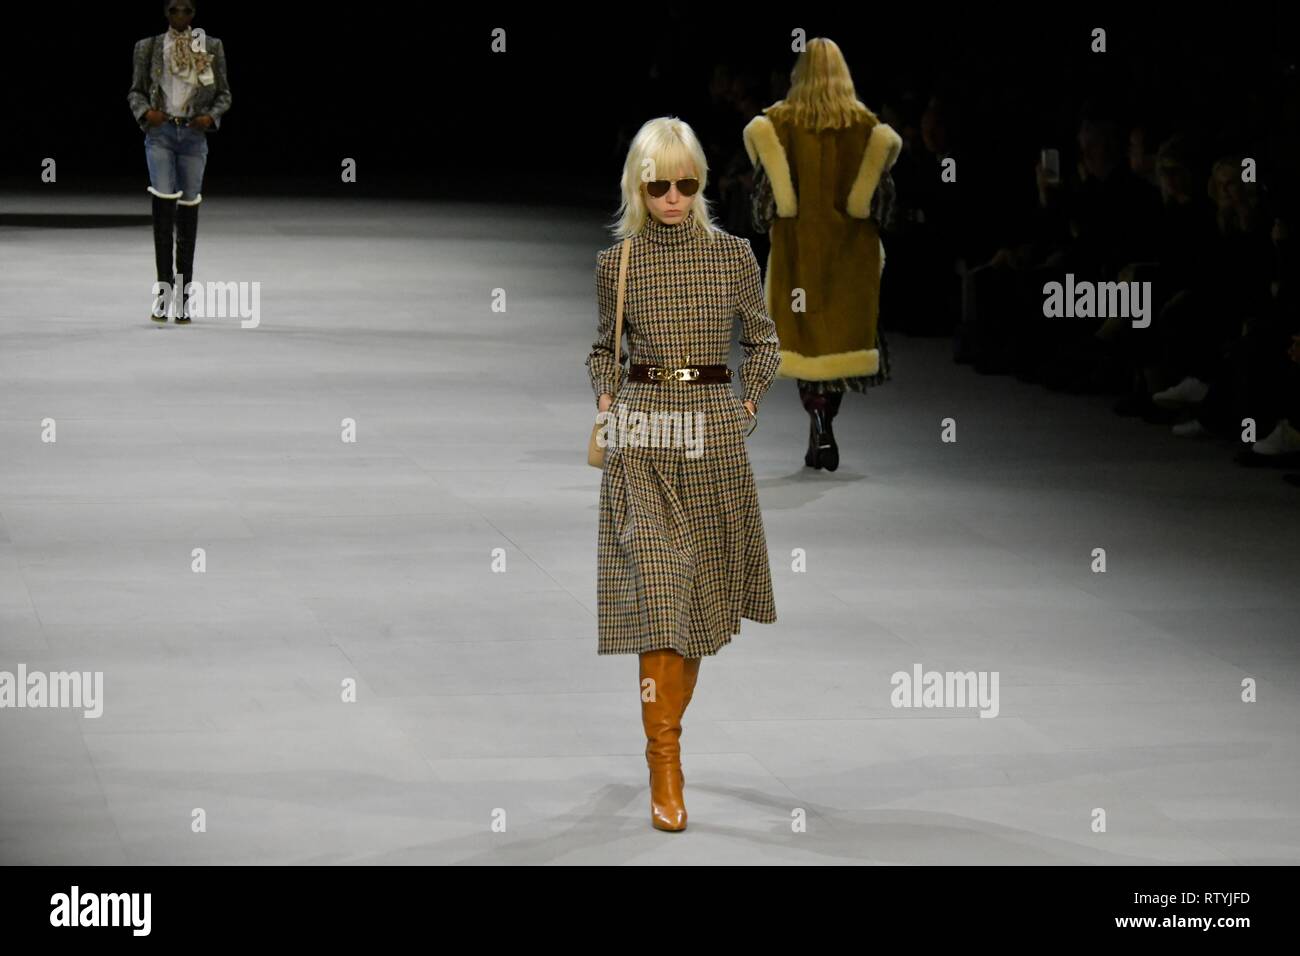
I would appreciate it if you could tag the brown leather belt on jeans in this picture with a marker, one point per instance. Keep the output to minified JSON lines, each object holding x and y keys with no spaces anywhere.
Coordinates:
{"x":700,"y":374}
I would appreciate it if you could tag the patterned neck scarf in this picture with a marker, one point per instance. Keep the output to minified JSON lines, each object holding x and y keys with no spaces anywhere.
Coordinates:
{"x":187,"y":63}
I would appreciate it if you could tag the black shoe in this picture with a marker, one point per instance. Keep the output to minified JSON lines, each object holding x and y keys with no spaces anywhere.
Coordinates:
{"x":828,"y":453}
{"x":821,"y":408}
{"x":822,"y":450}
{"x":164,"y":220}
{"x":831,"y":457}
{"x":187,"y":227}
{"x":810,"y":456}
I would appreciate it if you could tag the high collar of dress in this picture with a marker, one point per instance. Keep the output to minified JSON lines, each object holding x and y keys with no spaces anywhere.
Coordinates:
{"x":673,"y":235}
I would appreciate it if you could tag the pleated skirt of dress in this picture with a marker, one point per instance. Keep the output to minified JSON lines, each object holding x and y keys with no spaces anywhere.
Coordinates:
{"x":682,"y":553}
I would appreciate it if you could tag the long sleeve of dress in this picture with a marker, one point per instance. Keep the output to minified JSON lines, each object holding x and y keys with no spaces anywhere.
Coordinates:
{"x":600,"y":361}
{"x":758,"y":336}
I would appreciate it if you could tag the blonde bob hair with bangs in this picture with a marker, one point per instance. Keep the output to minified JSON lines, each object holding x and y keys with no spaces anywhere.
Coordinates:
{"x":662,"y":149}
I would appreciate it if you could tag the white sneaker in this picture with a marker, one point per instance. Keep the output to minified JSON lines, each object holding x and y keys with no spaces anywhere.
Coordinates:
{"x":1282,"y":440}
{"x":1191,"y":429}
{"x":1190,"y":391}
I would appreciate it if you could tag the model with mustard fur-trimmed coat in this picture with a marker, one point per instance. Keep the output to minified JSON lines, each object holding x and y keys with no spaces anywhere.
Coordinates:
{"x":824,"y":153}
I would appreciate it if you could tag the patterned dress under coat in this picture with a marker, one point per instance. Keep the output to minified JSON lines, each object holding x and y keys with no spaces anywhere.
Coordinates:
{"x":681,"y":550}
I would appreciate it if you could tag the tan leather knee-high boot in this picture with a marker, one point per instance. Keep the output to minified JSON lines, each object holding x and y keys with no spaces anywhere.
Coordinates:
{"x":661,"y":716}
{"x":690,"y":673}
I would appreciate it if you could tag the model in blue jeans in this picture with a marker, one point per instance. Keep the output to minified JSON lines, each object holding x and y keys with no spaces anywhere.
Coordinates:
{"x":177,"y":152}
{"x":178,"y":94}
{"x":176,"y":155}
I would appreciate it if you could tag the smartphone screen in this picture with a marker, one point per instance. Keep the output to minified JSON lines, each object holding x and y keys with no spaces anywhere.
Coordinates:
{"x":1051,"y":160}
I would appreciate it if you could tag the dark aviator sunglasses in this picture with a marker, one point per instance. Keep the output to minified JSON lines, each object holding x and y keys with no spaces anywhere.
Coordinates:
{"x":660,"y":187}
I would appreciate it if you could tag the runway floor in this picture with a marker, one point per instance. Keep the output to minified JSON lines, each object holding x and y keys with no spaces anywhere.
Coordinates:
{"x":480,"y":696}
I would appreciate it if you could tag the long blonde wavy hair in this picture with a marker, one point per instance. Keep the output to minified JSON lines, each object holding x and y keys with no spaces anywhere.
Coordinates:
{"x":822,"y":95}
{"x":661,"y":149}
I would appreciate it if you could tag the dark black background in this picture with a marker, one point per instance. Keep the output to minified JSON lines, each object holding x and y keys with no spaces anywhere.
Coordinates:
{"x":413,"y":93}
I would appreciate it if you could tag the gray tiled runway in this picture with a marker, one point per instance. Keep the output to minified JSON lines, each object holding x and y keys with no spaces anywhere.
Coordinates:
{"x":480,"y":691}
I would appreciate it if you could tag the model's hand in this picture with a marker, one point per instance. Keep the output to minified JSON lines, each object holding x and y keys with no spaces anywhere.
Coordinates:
{"x":605,"y":401}
{"x":155,"y":117}
{"x":749,"y":407}
{"x":202,"y":121}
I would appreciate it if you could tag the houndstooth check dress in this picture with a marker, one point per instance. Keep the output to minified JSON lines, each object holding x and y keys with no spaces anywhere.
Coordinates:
{"x":681,"y":551}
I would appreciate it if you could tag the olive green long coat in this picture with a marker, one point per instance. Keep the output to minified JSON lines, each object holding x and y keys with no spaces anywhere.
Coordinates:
{"x":823,"y":272}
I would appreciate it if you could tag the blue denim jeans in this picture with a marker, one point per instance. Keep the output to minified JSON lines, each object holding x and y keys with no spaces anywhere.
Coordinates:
{"x":177,"y":156}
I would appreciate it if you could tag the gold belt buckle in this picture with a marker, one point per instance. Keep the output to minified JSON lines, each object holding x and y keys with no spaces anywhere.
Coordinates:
{"x":659,"y":373}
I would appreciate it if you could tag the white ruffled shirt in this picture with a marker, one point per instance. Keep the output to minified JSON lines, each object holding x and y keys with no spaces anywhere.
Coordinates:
{"x":177,"y":90}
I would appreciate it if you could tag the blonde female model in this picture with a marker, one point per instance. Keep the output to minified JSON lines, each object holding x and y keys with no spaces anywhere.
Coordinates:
{"x":824,"y":154}
{"x":682,"y":554}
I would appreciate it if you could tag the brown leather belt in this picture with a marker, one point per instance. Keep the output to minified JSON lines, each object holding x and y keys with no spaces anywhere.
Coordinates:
{"x":700,"y":374}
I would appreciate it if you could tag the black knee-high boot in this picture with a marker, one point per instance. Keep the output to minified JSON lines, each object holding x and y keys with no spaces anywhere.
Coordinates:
{"x":830,"y":455}
{"x":187,"y":229}
{"x":164,"y":218}
{"x":822,"y":451}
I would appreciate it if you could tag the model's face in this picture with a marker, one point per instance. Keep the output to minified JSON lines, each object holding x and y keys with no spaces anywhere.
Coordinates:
{"x":672,"y":206}
{"x":179,"y":15}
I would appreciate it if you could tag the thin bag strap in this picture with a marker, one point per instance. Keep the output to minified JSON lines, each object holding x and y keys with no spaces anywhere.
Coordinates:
{"x":618,"y":321}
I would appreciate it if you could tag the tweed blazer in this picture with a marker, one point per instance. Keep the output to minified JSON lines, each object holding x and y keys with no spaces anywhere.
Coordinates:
{"x":147,"y":76}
